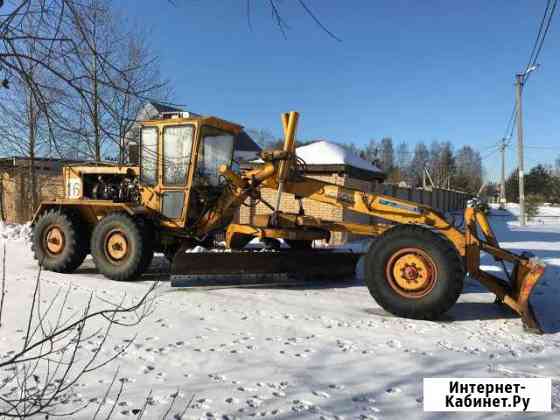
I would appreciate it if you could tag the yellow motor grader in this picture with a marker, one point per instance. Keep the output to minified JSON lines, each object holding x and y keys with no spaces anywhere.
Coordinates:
{"x":186,"y":190}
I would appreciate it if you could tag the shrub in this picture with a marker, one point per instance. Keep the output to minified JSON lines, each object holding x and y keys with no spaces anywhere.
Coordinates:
{"x":532,"y":203}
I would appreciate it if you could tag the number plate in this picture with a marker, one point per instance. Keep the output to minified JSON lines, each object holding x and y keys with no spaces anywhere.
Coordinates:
{"x":74,"y":188}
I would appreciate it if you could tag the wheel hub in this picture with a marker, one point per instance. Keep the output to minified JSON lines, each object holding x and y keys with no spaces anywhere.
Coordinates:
{"x":54,"y":240}
{"x":411,"y":272}
{"x":116,"y":245}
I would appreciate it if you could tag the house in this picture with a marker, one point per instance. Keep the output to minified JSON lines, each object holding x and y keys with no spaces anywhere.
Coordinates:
{"x":17,"y":201}
{"x":329,"y":162}
{"x":245,"y":148}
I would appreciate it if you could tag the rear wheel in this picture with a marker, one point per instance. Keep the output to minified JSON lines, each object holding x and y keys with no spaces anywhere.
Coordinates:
{"x":59,"y":241}
{"x":120,"y":249}
{"x":413,"y":272}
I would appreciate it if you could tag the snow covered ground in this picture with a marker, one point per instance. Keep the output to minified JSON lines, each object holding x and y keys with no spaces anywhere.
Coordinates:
{"x":320,"y":352}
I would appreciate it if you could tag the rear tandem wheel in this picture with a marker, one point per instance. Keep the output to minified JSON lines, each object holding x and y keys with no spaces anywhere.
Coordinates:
{"x":121,"y":247}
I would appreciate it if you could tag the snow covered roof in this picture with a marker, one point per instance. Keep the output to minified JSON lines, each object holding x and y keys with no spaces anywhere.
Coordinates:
{"x":327,"y":153}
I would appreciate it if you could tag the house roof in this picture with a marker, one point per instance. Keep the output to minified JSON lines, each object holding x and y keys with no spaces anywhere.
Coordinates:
{"x":40,"y":163}
{"x":161,"y":108}
{"x":328,"y":153}
{"x":12,"y":159}
{"x":325,"y":157}
{"x":244,"y":142}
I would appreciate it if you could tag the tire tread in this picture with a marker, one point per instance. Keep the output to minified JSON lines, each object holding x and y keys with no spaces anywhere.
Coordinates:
{"x":450,"y":255}
{"x":136,"y":232}
{"x":75,"y":237}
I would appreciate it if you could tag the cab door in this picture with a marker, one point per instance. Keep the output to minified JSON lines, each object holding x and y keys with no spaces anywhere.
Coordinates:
{"x":149,"y":167}
{"x":176,"y":150}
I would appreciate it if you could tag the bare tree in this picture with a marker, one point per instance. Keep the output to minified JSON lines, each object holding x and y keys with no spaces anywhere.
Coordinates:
{"x":118,"y":72}
{"x":140,"y":79}
{"x":468,"y":174}
{"x":77,"y":48}
{"x":21,"y":118}
{"x":263,"y":137}
{"x":54,"y":356}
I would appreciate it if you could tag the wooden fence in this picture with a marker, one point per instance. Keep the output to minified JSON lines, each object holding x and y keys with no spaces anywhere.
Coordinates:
{"x":440,"y":199}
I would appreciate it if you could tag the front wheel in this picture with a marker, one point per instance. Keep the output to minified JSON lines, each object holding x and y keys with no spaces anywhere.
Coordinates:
{"x":120,"y":249}
{"x":414,"y":273}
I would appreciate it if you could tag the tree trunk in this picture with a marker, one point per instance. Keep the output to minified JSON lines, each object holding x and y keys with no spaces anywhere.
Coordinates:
{"x":96,"y":124}
{"x":31,"y":153}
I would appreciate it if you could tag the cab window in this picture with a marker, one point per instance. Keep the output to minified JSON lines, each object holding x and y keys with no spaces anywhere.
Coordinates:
{"x":177,"y":146}
{"x":216,"y":149}
{"x":148,"y":153}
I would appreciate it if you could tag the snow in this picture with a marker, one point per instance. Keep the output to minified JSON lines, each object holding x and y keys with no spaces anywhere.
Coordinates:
{"x":327,"y":153}
{"x":545,"y":216}
{"x":15,"y":232}
{"x":306,"y":352}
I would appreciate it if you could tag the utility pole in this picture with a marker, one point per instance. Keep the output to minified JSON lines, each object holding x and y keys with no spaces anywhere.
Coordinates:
{"x":519,"y":79}
{"x":503,"y":180}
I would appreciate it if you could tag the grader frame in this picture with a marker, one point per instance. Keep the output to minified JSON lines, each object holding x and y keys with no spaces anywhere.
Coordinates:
{"x":277,"y":174}
{"x":430,"y":255}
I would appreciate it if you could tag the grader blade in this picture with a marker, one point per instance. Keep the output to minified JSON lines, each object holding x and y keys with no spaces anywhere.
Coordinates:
{"x":199,"y":269}
{"x":526,"y":275}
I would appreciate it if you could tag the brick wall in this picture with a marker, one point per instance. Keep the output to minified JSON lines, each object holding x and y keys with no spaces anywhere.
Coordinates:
{"x":8,"y":208}
{"x":289,"y":204}
{"x":442,"y":200}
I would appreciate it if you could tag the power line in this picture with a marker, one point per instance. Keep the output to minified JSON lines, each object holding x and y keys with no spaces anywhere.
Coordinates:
{"x":535,"y":53}
{"x":520,"y":81}
{"x":492,"y":153}
{"x":491,"y":147}
{"x":539,"y":33}
{"x":543,"y":37}
{"x":511,"y":123}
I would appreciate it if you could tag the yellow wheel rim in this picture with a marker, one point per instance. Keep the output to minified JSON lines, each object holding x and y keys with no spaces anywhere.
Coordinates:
{"x":116,"y":245}
{"x":54,"y":240}
{"x":411,"y":273}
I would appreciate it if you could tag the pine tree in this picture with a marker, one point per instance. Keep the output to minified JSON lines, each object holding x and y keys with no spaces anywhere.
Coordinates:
{"x":512,"y":187}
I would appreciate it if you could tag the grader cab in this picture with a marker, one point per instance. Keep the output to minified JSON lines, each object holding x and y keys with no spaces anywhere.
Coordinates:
{"x":186,"y":190}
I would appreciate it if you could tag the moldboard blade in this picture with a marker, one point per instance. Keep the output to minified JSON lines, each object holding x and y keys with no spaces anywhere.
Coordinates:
{"x":198,"y":269}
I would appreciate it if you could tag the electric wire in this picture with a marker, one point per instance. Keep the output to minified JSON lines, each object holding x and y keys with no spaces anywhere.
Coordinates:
{"x":539,"y":33}
{"x":542,"y":32}
{"x":492,"y":153}
{"x":549,"y":11}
